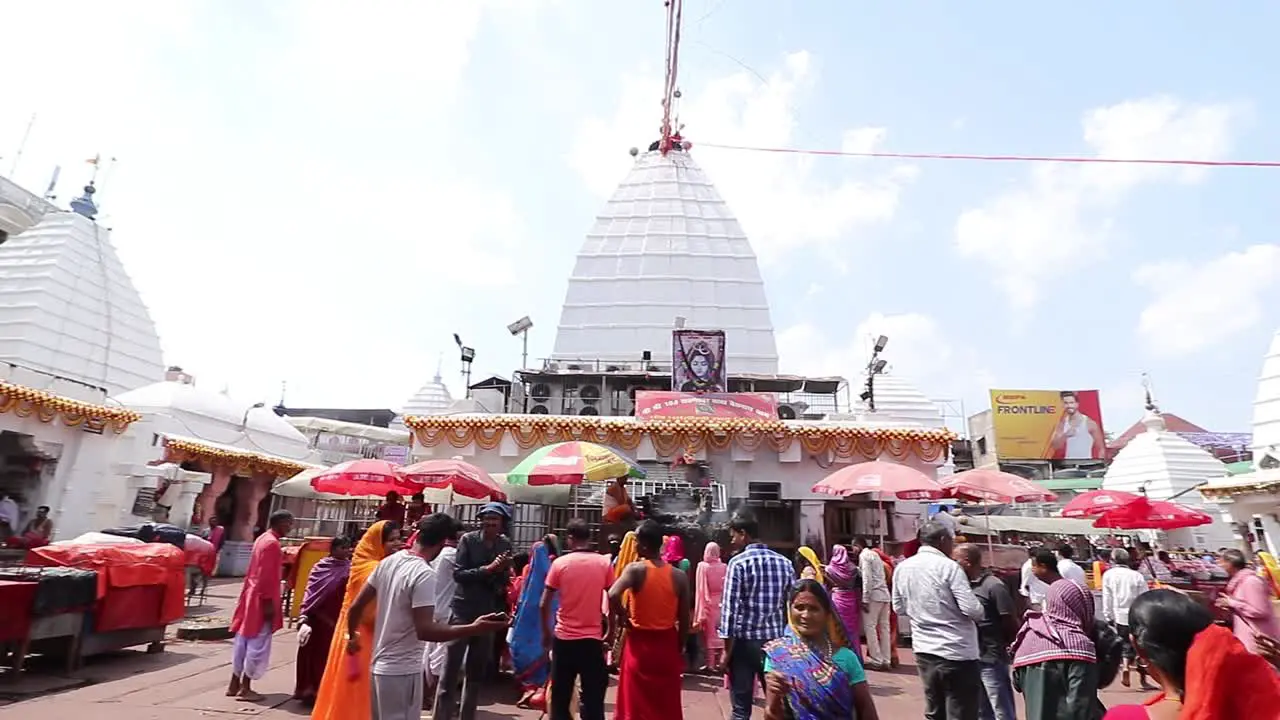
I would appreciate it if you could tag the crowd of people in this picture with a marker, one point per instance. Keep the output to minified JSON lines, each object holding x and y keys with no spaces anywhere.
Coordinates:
{"x":391,"y":625}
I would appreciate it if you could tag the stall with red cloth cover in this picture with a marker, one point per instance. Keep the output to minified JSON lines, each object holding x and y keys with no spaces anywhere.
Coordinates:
{"x":16,"y":598}
{"x":140,"y":590}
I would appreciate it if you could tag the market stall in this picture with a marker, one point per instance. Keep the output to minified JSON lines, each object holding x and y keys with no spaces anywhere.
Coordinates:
{"x":44,"y":611}
{"x":139,"y":591}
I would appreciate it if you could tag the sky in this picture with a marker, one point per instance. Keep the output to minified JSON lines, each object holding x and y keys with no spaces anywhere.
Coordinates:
{"x":322,"y":193}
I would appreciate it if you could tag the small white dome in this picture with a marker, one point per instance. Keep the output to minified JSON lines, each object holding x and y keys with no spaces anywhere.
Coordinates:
{"x":665,"y":246}
{"x":897,"y":400}
{"x":431,"y":399}
{"x":1266,"y":405}
{"x":215,"y":417}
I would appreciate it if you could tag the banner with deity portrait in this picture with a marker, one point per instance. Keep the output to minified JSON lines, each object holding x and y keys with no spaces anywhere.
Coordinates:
{"x":698,"y":361}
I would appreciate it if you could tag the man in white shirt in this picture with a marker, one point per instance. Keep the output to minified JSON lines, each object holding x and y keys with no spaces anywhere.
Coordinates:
{"x":875,"y":606}
{"x":1121,"y":585}
{"x":437,"y":653}
{"x":945,"y":518}
{"x":1032,"y":588}
{"x":933,"y":591}
{"x":1068,"y":568}
{"x":404,"y":586}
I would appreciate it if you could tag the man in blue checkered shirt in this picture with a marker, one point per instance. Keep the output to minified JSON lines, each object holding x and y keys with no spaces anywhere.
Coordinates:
{"x":752,"y":610}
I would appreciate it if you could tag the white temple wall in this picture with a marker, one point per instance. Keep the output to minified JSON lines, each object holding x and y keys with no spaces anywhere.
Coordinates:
{"x":796,"y":470}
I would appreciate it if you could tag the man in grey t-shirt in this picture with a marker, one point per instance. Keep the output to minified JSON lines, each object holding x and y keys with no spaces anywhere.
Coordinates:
{"x":405,"y":590}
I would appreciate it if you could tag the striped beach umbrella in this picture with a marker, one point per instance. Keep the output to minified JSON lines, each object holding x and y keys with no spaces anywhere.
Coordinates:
{"x":572,"y":463}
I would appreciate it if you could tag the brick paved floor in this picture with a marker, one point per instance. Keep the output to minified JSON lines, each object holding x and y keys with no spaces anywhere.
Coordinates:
{"x":188,"y":681}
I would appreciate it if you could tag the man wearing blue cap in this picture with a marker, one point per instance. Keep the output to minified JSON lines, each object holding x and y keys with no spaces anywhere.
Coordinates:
{"x":482,"y":571}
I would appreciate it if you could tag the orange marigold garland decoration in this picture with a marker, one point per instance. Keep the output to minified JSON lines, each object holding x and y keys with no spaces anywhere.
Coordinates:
{"x":240,"y":462}
{"x":46,"y":407}
{"x":670,"y":436}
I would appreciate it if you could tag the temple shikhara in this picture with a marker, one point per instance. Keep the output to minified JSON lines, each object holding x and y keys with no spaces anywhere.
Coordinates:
{"x":666,"y":255}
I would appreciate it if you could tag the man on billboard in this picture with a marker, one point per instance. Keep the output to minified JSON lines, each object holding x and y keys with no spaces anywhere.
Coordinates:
{"x":1078,"y":436}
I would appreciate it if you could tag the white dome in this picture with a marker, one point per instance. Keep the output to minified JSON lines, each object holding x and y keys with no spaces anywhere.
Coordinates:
{"x":1266,"y":405}
{"x":216,"y":418}
{"x":1162,"y":463}
{"x":431,"y":399}
{"x":665,"y":245}
{"x":68,"y":308}
{"x":897,"y":400}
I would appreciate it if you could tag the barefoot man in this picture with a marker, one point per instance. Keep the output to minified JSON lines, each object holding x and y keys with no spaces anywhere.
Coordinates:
{"x":257,"y":613}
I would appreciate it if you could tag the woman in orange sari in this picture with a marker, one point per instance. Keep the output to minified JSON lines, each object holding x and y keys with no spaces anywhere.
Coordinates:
{"x":344,"y":695}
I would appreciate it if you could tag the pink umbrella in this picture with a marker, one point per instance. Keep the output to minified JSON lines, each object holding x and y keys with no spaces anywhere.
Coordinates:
{"x":991,"y":485}
{"x":1096,"y":502}
{"x":883,"y":478}
{"x":1144,"y":514}
{"x":465,"y":478}
{"x":364,"y":477}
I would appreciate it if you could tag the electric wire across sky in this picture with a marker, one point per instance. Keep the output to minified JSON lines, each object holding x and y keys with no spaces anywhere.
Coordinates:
{"x":1001,"y":158}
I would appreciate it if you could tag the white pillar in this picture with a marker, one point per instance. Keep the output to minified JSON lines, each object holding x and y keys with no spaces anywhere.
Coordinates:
{"x":813,"y":526}
{"x":1271,"y":532}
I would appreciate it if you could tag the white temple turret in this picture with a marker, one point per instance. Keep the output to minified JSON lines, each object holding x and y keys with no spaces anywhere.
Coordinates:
{"x":1165,"y":466}
{"x":898,"y":400}
{"x":1266,"y":409}
{"x":665,"y":246}
{"x":431,"y":399}
{"x":68,"y":308}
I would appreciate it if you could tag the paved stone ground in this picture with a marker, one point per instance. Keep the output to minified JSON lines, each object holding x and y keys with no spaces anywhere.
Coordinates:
{"x":189,"y":679}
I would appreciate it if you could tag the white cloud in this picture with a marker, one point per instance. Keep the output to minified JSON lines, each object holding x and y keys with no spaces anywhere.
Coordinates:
{"x":918,"y":350}
{"x":1197,"y":304}
{"x":782,"y":203}
{"x":1058,"y":219}
{"x":281,"y":190}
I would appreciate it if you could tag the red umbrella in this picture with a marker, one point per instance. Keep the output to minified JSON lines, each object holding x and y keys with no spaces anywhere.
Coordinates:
{"x":884,"y":478}
{"x":364,"y":477}
{"x":1096,"y":502}
{"x":987,"y":484}
{"x":465,"y":478}
{"x":1144,"y":514}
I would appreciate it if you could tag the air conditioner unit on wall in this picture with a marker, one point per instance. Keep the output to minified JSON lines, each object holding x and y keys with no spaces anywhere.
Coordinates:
{"x":544,"y":399}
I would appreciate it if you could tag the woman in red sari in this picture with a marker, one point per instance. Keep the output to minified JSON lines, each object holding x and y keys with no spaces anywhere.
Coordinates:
{"x":321,"y":606}
{"x":1204,"y":672}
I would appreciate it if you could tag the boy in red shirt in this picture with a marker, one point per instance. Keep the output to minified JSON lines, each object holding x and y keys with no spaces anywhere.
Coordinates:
{"x":581,"y":578}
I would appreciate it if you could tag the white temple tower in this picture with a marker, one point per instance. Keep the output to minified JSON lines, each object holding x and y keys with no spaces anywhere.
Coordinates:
{"x":69,"y":309}
{"x":1165,"y":466}
{"x":1266,"y":409}
{"x":665,"y":246}
{"x":431,"y":399}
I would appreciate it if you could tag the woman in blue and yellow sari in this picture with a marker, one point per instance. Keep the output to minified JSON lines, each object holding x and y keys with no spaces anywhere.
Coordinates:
{"x":528,"y":653}
{"x":810,"y":672}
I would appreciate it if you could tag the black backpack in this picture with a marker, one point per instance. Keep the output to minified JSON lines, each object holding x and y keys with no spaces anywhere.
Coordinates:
{"x":1109,"y":647}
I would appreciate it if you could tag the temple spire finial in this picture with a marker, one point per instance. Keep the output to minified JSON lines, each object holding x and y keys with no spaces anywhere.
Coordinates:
{"x":84,"y":204}
{"x":439,"y":364}
{"x":1149,"y":391}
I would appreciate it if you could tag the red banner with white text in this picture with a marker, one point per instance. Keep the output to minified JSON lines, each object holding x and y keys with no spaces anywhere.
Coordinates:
{"x":652,"y":405}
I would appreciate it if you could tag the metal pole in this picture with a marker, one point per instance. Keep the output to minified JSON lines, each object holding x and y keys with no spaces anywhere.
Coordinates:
{"x":524,"y":355}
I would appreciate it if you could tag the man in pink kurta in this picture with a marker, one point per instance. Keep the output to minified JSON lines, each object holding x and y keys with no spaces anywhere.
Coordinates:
{"x":1248,"y":598}
{"x":258,"y":613}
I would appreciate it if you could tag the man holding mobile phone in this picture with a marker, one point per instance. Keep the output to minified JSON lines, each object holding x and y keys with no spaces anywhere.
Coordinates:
{"x":403,"y":587}
{"x":481,"y":569}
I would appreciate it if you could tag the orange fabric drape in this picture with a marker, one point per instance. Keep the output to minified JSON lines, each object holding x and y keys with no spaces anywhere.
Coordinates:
{"x":340,"y":697}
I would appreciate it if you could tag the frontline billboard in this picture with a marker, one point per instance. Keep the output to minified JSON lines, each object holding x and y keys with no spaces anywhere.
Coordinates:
{"x":1048,"y":424}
